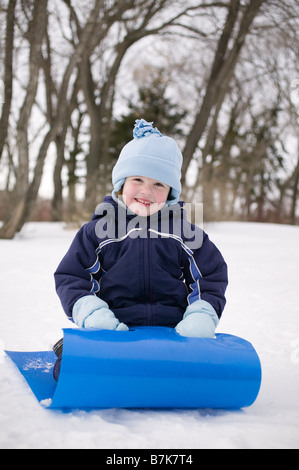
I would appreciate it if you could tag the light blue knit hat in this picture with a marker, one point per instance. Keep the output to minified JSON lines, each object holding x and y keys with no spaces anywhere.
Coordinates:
{"x":152,"y":155}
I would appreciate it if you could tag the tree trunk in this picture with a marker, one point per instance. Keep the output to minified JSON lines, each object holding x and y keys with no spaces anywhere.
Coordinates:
{"x":8,"y":73}
{"x":294,"y":183}
{"x":57,"y":201}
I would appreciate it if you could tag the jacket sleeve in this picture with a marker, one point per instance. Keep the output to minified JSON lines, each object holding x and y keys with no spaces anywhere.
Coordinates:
{"x":78,"y":272}
{"x":206,"y":275}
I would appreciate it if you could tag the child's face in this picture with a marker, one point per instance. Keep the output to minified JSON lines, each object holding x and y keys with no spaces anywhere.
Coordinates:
{"x":144,"y":196}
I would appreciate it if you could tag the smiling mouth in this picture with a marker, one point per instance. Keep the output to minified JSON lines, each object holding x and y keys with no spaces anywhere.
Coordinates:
{"x":144,"y":202}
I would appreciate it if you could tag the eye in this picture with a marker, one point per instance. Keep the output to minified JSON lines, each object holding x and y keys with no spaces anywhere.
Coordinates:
{"x":160,"y":185}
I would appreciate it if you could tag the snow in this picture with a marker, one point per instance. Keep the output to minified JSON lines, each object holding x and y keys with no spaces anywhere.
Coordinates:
{"x":262,"y":307}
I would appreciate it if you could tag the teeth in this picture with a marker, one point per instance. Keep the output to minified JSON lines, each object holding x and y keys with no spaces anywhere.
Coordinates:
{"x":143,"y":202}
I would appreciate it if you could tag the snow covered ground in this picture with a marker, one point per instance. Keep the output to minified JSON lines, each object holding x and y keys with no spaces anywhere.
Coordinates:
{"x":262,"y":307}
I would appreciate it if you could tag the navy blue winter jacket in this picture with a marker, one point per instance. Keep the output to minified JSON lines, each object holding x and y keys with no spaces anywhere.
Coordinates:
{"x":148,"y":269}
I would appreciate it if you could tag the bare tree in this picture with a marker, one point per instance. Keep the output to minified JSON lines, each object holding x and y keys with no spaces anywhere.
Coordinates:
{"x":26,"y":194}
{"x":230,"y":44}
{"x":35,"y":35}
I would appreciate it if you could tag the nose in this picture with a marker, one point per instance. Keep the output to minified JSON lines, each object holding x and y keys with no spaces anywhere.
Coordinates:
{"x":146,"y":189}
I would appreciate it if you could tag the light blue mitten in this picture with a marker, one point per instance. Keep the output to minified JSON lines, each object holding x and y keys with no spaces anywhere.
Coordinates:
{"x":200,"y":321}
{"x":92,"y":312}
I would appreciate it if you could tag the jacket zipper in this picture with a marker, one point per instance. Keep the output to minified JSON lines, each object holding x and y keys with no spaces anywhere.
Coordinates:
{"x":147,"y":280}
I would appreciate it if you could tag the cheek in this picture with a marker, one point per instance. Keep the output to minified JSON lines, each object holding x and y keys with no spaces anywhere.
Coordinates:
{"x":128,"y":194}
{"x":161,"y":197}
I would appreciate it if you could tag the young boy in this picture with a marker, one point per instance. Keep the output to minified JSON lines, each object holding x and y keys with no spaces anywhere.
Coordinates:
{"x":139,"y":262}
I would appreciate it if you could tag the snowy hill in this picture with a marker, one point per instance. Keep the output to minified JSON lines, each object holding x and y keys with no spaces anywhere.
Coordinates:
{"x":263,"y":307}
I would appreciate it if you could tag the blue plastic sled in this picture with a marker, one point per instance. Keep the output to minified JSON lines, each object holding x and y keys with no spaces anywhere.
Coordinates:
{"x":146,"y":367}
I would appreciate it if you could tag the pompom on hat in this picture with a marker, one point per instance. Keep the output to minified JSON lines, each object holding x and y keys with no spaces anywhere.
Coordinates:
{"x":152,"y":155}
